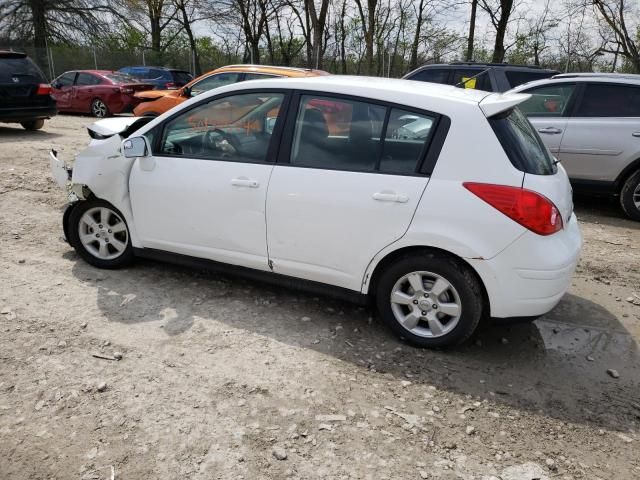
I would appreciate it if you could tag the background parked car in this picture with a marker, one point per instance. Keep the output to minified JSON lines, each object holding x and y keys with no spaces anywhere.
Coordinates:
{"x":499,"y":77}
{"x":24,"y":92}
{"x":99,"y":92}
{"x":591,"y":123}
{"x":160,"y":77}
{"x":159,"y":101}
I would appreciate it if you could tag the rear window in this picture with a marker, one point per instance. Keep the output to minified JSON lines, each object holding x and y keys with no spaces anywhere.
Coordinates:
{"x":22,"y":68}
{"x":121,"y":78}
{"x":516,"y":78}
{"x":522,"y":144}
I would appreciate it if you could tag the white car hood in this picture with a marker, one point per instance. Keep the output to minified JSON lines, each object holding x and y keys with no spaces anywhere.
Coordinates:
{"x":111,"y":126}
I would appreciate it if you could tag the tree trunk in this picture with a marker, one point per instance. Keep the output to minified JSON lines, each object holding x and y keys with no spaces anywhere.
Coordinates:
{"x":343,"y":39}
{"x":472,"y":30}
{"x":38,"y":12}
{"x":192,"y":40}
{"x":413,"y":62}
{"x":501,"y":30}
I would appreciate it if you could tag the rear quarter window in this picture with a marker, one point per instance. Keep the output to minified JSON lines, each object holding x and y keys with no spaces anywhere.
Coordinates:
{"x":522,"y":144}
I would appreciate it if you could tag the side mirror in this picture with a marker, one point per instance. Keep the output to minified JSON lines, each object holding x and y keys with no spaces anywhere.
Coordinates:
{"x":135,"y":147}
{"x":186,"y":92}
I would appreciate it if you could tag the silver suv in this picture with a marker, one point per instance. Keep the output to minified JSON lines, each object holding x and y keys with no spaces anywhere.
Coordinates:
{"x":591,"y":123}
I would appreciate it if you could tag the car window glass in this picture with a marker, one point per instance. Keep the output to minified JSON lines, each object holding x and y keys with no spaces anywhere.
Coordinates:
{"x":22,"y":68}
{"x":548,"y":101}
{"x":182,"y":77}
{"x":259,"y":76}
{"x":214,"y":81}
{"x":66,"y":79}
{"x":464,"y":77}
{"x":116,"y":77}
{"x":606,"y":100}
{"x":337,"y":134}
{"x":85,"y":79}
{"x":434,"y":75}
{"x":516,"y":78}
{"x":404,"y":141}
{"x":234,"y":128}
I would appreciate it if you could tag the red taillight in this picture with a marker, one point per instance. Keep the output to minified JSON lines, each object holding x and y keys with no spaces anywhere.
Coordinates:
{"x":43,"y":89}
{"x":170,"y":85}
{"x":530,"y":209}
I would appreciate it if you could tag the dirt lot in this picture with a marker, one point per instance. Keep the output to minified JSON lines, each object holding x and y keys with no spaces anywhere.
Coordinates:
{"x":220,"y":376}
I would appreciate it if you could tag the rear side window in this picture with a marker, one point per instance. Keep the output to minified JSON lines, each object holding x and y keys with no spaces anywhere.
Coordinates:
{"x":606,"y":100}
{"x":181,"y":77}
{"x":340,"y":134}
{"x":548,"y":101}
{"x":522,"y":144}
{"x":86,"y":79}
{"x":464,"y":78}
{"x":121,"y":78}
{"x":22,"y":68}
{"x":518,"y":78}
{"x":433,"y":75}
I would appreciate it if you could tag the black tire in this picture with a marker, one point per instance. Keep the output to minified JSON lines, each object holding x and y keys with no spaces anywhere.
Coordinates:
{"x":459,"y":276}
{"x":33,"y":124}
{"x":125,"y":257}
{"x":99,"y":108}
{"x":629,"y":195}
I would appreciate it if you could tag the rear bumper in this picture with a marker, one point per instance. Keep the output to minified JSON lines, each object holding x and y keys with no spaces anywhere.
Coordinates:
{"x":22,"y":114}
{"x":530,"y":276}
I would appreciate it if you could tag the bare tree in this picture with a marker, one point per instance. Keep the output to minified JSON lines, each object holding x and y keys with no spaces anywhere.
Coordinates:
{"x":472,"y":30}
{"x":499,"y":13}
{"x":616,"y":13}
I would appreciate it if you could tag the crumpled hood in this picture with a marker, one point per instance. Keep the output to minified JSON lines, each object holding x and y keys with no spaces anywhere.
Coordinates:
{"x":109,"y":127}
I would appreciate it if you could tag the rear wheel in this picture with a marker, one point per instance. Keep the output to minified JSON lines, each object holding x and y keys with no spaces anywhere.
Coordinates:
{"x":630,"y":196}
{"x":99,"y":108}
{"x":33,"y":124}
{"x":100,"y":235}
{"x":430,"y":300}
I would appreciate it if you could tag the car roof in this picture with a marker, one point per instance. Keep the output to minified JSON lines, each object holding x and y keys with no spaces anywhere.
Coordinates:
{"x":573,"y":78}
{"x":503,"y":66}
{"x":592,"y":75}
{"x":271,"y":69}
{"x":405,"y":92}
{"x":11,"y":54}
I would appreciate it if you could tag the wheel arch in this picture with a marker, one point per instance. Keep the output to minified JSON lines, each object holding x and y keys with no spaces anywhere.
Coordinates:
{"x":625,"y":174}
{"x":405,"y":251}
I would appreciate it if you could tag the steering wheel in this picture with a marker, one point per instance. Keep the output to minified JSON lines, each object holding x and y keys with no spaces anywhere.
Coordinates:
{"x":231,"y":148}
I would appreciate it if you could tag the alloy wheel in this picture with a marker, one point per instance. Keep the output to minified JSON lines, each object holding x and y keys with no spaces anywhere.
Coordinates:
{"x":99,"y":108}
{"x":103,"y":233}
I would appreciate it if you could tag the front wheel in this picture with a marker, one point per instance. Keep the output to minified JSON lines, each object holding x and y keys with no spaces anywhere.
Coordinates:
{"x":430,"y":300}
{"x":630,"y":196}
{"x":99,"y":108}
{"x":100,"y":235}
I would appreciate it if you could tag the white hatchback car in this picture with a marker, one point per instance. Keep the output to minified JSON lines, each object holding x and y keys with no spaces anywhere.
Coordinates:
{"x":440,"y":204}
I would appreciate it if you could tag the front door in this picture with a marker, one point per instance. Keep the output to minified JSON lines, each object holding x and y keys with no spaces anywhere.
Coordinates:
{"x":548,"y":110}
{"x":347,"y":187}
{"x":63,"y":90}
{"x":202,"y":193}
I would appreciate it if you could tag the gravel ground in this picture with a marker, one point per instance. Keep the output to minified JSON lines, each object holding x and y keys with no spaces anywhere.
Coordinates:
{"x":229,"y":379}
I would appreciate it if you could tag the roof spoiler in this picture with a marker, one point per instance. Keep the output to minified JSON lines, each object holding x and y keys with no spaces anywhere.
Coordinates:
{"x":500,"y":102}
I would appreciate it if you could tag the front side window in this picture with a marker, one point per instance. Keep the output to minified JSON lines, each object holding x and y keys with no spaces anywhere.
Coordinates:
{"x":548,"y":101}
{"x":464,"y":78}
{"x":65,"y":80}
{"x":214,"y":81}
{"x":234,"y":128}
{"x":340,"y":134}
{"x":522,"y":144}
{"x":608,"y":100}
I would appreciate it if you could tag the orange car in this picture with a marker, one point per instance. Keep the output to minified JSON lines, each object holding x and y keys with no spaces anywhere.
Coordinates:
{"x":156,"y":102}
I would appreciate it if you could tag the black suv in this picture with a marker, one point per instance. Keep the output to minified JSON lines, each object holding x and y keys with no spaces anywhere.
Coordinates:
{"x":497,"y":77}
{"x":24,"y":92}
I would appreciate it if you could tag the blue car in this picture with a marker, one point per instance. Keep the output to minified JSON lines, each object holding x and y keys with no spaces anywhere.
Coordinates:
{"x":162,"y":78}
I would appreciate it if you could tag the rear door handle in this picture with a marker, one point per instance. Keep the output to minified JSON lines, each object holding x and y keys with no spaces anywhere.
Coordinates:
{"x":636,"y":134}
{"x":550,"y":130}
{"x":390,"y":197}
{"x":244,"y":182}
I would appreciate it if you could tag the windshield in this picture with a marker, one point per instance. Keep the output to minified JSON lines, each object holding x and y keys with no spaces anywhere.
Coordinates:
{"x":522,"y":144}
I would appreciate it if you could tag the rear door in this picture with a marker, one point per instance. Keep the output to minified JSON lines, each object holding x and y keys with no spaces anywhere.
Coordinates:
{"x":603,"y":134}
{"x":346,"y":185}
{"x":84,"y":91}
{"x":548,"y":110}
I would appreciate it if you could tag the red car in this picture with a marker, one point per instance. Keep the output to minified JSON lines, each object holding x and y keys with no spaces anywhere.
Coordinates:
{"x":99,"y":92}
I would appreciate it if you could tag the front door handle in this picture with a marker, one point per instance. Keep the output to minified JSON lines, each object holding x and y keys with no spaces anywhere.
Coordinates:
{"x":550,"y":130}
{"x":636,"y":134}
{"x":390,"y":197}
{"x":244,"y":182}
